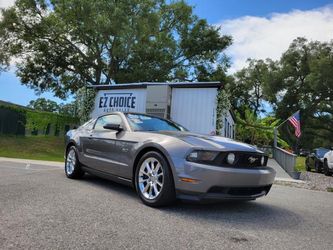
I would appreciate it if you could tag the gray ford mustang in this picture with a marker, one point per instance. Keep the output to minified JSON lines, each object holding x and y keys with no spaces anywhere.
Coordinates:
{"x":163,"y":161}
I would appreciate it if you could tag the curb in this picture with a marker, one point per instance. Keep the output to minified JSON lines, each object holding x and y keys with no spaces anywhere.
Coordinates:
{"x":287,"y":180}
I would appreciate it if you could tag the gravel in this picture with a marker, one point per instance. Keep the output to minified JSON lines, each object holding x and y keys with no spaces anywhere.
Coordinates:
{"x":312,"y":181}
{"x":317,"y":181}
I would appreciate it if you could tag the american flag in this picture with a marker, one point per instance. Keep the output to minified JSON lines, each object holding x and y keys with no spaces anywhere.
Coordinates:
{"x":295,"y":120}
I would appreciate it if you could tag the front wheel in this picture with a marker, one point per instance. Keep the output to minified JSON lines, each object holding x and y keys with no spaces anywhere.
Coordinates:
{"x":317,"y":168}
{"x":153,"y":180}
{"x":72,"y":165}
{"x":326,"y":170}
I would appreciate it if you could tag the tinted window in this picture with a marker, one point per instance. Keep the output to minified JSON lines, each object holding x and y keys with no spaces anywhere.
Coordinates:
{"x":150,"y":123}
{"x":107,"y":119}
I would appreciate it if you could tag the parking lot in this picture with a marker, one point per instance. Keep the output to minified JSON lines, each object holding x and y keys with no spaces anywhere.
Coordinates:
{"x":41,"y":209}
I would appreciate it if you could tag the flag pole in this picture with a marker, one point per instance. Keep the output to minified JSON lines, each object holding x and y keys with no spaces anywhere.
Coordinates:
{"x":275,"y":130}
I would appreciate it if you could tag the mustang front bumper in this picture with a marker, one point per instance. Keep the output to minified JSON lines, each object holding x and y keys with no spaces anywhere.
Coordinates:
{"x":215,"y":182}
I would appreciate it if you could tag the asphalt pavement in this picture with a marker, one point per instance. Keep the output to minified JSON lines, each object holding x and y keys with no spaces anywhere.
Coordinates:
{"x":41,"y":209}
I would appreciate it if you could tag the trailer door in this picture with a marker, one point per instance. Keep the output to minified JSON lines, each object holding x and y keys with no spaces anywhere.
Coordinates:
{"x":195,"y":109}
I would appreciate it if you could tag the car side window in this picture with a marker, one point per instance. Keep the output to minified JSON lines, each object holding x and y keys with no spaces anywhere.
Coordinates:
{"x":107,"y":119}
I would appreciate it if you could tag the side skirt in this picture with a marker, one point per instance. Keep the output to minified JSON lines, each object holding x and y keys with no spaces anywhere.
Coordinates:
{"x":111,"y":177}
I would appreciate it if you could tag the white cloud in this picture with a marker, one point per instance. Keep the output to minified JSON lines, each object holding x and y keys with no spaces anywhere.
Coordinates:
{"x":6,"y":3}
{"x":268,"y":37}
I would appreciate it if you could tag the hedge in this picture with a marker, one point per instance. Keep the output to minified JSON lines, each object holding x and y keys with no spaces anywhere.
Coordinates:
{"x":18,"y":117}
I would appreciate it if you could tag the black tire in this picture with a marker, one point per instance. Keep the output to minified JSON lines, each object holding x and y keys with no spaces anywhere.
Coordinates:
{"x":308,"y":168}
{"x":77,"y":172}
{"x":167,"y":194}
{"x":317,"y":168}
{"x":326,"y":170}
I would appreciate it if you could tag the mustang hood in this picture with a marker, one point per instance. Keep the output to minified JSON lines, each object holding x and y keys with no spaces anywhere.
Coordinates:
{"x":211,"y":142}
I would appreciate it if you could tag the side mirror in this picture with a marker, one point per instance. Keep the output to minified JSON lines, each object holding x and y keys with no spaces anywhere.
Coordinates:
{"x":113,"y":126}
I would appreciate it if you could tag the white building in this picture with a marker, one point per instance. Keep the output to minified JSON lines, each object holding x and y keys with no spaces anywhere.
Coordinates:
{"x":192,"y":105}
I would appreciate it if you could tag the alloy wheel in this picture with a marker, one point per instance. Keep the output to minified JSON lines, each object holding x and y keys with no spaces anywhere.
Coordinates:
{"x":151,"y":178}
{"x":70,"y":162}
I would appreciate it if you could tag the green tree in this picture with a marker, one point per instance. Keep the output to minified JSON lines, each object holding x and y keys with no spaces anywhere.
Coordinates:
{"x":249,"y":86}
{"x":64,"y":45}
{"x":303,"y":80}
{"x":68,"y":109}
{"x":43,"y":104}
{"x":257,"y":131}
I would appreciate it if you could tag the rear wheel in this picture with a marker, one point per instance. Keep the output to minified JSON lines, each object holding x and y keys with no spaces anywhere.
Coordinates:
{"x":153,"y":180}
{"x":326,"y":169}
{"x":72,"y":165}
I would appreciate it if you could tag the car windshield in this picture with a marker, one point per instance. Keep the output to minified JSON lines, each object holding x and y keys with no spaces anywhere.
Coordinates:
{"x":321,"y":152}
{"x":89,"y":124}
{"x":140,"y":122}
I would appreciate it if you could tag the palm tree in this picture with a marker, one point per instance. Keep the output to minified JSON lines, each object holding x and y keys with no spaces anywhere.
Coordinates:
{"x":257,"y":131}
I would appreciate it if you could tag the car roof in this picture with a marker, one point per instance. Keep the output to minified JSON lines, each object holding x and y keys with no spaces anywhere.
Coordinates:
{"x":321,"y":149}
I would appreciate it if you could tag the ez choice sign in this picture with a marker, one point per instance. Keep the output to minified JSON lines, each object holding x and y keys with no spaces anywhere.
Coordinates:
{"x":109,"y":102}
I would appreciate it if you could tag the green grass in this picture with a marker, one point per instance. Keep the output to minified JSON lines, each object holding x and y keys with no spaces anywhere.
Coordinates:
{"x":300,"y":164}
{"x":330,"y":189}
{"x":48,"y":148}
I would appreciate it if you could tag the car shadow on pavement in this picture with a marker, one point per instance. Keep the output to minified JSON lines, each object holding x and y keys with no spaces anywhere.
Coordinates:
{"x":109,"y":185}
{"x":253,"y":214}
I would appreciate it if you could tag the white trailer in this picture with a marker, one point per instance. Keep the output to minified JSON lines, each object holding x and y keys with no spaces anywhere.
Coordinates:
{"x":192,"y":105}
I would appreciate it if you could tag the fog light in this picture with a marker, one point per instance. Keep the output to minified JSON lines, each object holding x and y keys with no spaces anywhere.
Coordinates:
{"x":231,"y":158}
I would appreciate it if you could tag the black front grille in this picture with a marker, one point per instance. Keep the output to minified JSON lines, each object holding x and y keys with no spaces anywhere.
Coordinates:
{"x":250,"y":160}
{"x":243,"y":159}
{"x":240,"y":191}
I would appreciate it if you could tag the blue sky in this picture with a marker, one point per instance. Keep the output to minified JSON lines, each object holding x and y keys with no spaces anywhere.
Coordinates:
{"x":218,"y":10}
{"x":275,"y":22}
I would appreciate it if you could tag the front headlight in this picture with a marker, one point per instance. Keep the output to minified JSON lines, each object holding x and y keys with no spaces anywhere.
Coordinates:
{"x":202,"y":156}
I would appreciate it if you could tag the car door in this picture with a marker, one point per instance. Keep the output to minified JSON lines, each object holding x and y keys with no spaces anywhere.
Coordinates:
{"x":102,"y":148}
{"x":85,"y":131}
